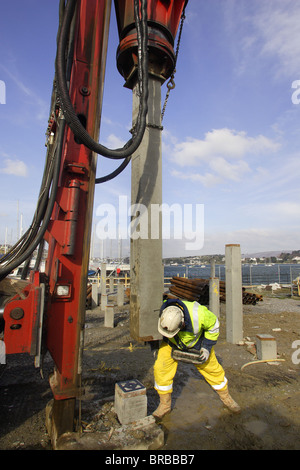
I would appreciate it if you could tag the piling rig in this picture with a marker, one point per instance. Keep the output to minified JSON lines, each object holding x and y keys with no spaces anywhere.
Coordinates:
{"x":45,"y":311}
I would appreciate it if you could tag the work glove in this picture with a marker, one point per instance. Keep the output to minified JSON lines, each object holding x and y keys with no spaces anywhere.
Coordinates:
{"x":204,"y":354}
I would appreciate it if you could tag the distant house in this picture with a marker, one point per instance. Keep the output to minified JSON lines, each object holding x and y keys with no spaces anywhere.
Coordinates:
{"x":296,"y":259}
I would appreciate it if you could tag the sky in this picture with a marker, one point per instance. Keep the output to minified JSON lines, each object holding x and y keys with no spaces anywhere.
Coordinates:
{"x":230,"y":140}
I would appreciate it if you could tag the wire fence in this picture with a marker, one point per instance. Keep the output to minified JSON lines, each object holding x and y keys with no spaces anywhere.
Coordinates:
{"x":252,"y":275}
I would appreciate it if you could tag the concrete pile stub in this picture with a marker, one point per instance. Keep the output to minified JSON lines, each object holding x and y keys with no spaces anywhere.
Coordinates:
{"x":95,"y":296}
{"x":266,"y":347}
{"x":109,"y":316}
{"x":130,"y":401}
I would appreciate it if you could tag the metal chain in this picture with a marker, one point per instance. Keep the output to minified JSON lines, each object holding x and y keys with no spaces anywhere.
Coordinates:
{"x":171,"y":84}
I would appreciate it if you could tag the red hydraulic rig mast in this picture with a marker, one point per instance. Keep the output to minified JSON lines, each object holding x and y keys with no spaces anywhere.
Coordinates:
{"x":48,"y":309}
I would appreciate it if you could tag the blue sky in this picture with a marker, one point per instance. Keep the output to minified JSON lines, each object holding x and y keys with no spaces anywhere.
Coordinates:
{"x":231,"y":128}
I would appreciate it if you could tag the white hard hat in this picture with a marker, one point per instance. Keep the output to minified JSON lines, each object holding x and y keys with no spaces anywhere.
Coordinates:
{"x":170,"y":321}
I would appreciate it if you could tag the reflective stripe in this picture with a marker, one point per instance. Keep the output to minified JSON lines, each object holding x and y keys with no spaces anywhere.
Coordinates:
{"x":163,"y":388}
{"x":215,"y":328}
{"x":191,"y":343}
{"x":196,"y":318}
{"x":222,"y":385}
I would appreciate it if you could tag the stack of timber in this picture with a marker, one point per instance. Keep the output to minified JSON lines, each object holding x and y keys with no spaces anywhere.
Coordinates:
{"x":190,"y":289}
{"x":198,"y":290}
{"x":249,"y":298}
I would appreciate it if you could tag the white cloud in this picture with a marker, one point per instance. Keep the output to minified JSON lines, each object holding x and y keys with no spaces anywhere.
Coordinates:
{"x":220,"y":143}
{"x":287,"y":212}
{"x":230,"y":171}
{"x":114,"y":142}
{"x":263,"y":30}
{"x":221,"y":155}
{"x":277,"y":22}
{"x":207,"y":179}
{"x":251,"y":240}
{"x":289,"y":209}
{"x":41,"y":106}
{"x":14,"y":167}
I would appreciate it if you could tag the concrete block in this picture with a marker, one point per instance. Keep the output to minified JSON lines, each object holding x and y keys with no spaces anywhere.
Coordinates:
{"x":130,"y":401}
{"x":266,"y":347}
{"x":109,"y":316}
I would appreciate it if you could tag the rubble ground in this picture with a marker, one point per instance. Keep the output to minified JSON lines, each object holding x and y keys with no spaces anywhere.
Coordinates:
{"x":268,"y":393}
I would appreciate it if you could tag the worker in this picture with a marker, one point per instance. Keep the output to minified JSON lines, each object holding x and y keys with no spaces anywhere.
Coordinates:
{"x":188,"y":326}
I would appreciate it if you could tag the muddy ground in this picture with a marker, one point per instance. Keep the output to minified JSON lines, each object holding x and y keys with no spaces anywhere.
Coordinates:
{"x":268,"y":393}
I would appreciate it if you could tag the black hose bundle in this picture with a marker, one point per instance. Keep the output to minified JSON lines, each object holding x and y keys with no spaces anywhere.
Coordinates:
{"x":24,"y":248}
{"x":70,"y":115}
{"x":33,"y":237}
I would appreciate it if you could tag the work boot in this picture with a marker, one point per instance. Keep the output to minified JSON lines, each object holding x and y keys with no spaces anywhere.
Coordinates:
{"x":228,"y":401}
{"x":164,"y":406}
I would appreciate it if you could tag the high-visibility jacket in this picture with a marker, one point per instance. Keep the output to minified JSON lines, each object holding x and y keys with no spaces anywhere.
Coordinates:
{"x":201,"y":327}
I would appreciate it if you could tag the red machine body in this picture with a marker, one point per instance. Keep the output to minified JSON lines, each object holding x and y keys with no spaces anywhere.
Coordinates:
{"x":23,"y":319}
{"x":69,"y":231}
{"x":54,"y":302}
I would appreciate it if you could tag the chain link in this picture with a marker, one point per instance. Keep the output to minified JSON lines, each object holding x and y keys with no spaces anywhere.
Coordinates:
{"x":171,"y":83}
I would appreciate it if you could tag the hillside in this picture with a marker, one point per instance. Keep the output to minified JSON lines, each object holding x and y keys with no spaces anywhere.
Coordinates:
{"x":266,"y":256}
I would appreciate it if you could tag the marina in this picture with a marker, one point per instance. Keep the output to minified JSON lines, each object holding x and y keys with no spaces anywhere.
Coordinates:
{"x":258,"y":274}
{"x":285,"y":274}
{"x":252,"y":274}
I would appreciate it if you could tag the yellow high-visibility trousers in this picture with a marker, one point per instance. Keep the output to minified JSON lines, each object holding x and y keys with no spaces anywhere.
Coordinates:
{"x":165,"y":368}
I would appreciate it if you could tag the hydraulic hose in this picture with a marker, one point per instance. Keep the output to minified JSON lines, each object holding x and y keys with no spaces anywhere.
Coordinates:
{"x":38,"y":238}
{"x":113,"y":174}
{"x":30,"y":234}
{"x":33,"y":237}
{"x":24,"y":248}
{"x":261,"y":361}
{"x":70,"y":115}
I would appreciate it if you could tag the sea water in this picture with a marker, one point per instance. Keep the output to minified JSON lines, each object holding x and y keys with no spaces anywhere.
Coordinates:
{"x":252,"y":274}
